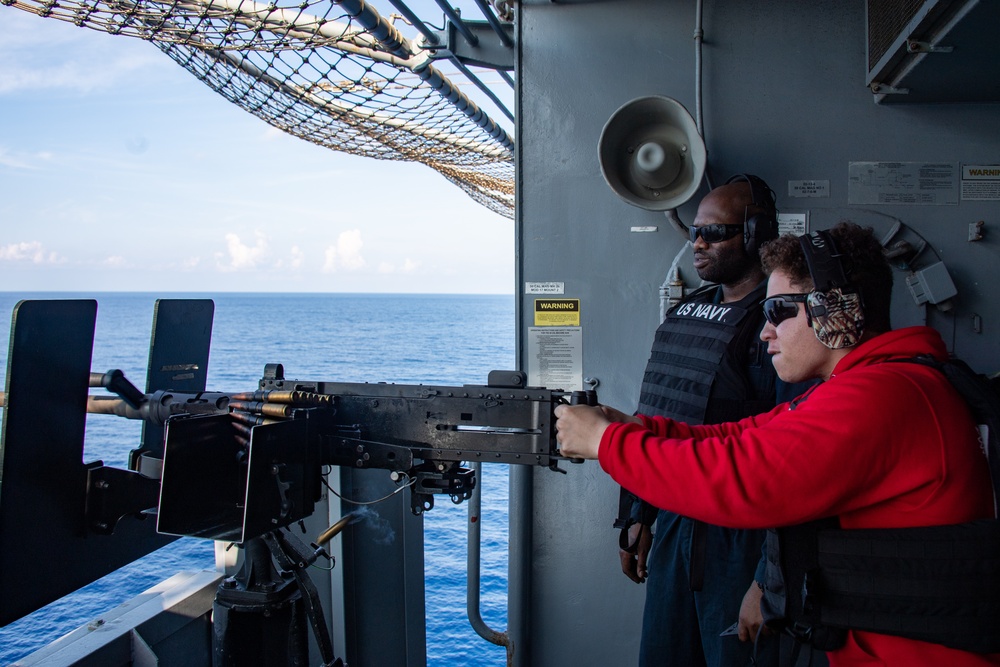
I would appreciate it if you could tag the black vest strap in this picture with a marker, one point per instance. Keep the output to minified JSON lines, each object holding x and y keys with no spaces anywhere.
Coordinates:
{"x":790,"y":585}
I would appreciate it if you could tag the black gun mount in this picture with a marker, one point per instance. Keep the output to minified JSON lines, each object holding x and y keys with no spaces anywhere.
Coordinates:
{"x":258,"y":465}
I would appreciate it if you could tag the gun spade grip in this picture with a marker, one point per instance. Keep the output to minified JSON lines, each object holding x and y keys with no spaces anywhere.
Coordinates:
{"x":578,"y":398}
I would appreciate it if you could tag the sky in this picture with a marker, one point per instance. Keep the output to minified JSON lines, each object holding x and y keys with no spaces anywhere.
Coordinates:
{"x":120,"y":171}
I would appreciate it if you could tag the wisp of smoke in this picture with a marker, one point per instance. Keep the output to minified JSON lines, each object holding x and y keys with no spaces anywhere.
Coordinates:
{"x":382,"y":532}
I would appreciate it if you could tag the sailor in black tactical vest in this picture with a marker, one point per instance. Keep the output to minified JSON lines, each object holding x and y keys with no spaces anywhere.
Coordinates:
{"x":707,"y":365}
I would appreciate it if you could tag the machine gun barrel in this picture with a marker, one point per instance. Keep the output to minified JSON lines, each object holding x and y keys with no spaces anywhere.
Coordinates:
{"x":154,"y":408}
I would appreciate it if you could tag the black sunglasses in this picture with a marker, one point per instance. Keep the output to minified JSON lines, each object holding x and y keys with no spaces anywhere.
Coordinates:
{"x":715,"y":233}
{"x":781,"y":307}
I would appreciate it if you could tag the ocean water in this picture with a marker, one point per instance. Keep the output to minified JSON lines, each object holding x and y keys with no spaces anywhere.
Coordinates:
{"x":410,"y":339}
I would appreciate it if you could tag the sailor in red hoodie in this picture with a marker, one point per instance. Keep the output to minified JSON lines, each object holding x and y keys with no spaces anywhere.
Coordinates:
{"x":876,"y":444}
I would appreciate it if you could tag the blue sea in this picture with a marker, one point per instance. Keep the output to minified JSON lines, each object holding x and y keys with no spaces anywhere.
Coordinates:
{"x":410,"y":339}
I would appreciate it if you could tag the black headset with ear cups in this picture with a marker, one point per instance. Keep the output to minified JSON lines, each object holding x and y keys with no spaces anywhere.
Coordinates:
{"x":762,"y":226}
{"x":834,"y":307}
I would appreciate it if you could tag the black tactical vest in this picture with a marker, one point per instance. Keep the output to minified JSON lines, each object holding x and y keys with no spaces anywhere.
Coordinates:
{"x":708,"y":364}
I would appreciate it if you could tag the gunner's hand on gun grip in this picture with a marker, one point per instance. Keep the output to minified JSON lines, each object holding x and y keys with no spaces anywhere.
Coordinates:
{"x":579,"y":429}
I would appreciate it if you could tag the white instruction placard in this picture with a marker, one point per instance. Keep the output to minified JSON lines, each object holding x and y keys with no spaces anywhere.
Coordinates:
{"x":555,"y":358}
{"x":550,"y":287}
{"x":922,"y":183}
{"x":793,"y":223}
{"x":809,"y":188}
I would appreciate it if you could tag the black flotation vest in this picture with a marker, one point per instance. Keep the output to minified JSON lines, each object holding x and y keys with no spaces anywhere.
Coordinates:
{"x":938,"y":584}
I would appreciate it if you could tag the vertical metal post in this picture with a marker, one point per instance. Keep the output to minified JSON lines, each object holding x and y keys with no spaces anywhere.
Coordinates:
{"x":474,"y":564}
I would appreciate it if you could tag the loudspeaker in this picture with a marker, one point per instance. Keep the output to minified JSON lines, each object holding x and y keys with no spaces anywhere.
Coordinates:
{"x":834,"y":307}
{"x":651,"y":153}
{"x":760,"y":227}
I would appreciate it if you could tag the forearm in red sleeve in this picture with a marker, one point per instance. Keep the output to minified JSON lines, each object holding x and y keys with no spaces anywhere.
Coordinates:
{"x":743,"y":474}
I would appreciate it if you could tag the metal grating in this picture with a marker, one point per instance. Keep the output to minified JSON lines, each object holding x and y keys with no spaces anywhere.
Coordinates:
{"x":886,"y":19}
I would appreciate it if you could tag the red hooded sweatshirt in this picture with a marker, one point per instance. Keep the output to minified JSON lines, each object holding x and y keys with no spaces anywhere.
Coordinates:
{"x":878,"y":445}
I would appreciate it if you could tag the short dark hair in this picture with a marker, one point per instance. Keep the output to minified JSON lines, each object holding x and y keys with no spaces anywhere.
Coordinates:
{"x":864,"y":263}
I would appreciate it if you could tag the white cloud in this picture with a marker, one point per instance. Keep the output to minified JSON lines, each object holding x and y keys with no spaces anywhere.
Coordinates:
{"x":240,"y":256}
{"x":409,"y":266}
{"x":29,"y":252}
{"x":114,"y":261}
{"x":295,"y":260}
{"x":346,"y":254}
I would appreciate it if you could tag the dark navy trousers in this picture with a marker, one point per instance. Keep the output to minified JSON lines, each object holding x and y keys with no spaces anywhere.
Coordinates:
{"x":681,"y":627}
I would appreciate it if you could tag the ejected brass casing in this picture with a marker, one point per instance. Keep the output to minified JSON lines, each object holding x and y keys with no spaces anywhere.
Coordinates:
{"x":333,"y":530}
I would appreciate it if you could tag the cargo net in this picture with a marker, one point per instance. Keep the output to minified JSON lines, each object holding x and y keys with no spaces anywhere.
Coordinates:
{"x":312,"y":70}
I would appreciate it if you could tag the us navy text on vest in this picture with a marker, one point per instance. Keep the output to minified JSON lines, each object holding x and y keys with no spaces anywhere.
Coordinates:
{"x":710,"y":312}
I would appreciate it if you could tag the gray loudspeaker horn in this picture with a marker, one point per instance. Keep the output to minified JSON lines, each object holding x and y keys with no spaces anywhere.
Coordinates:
{"x":651,"y":153}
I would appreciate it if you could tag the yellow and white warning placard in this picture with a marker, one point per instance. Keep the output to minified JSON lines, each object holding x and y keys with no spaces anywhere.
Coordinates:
{"x":557,"y":312}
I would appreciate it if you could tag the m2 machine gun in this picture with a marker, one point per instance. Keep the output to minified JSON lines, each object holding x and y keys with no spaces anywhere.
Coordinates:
{"x":235,"y":467}
{"x":266,"y":449}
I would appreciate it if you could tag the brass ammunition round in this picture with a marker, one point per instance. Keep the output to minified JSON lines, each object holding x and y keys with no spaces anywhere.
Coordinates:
{"x":242,"y":429}
{"x":247,"y":406}
{"x":248,"y":396}
{"x":275,"y":409}
{"x":275,"y":396}
{"x":246,"y":417}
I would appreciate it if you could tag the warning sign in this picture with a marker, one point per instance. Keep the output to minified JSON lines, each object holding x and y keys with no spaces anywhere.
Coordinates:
{"x":557,"y":312}
{"x":980,"y":182}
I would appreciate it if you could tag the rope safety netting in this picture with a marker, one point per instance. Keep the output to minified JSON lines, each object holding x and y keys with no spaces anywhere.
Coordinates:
{"x":313,"y":69}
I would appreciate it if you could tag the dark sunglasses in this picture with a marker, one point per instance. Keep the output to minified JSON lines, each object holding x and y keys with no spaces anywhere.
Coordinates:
{"x":715,"y":233}
{"x":781,"y":307}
